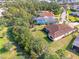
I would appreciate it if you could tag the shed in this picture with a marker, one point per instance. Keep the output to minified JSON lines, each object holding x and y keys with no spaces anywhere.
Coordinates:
{"x":76,"y":44}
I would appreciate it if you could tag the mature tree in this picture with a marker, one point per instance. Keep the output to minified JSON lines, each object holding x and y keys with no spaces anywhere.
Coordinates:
{"x":55,"y":7}
{"x":39,"y":47}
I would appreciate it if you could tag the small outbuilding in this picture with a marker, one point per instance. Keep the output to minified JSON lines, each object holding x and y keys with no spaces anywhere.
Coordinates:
{"x":76,"y":44}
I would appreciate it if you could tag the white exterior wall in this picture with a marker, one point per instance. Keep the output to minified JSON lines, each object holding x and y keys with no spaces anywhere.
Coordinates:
{"x":58,"y":38}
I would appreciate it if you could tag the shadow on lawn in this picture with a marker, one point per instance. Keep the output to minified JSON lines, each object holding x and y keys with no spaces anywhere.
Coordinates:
{"x":2,"y":50}
{"x":69,"y":47}
{"x":47,"y":39}
{"x":19,"y":50}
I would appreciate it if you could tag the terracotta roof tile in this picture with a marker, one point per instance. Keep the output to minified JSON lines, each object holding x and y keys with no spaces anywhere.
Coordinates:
{"x":46,"y":13}
{"x":57,"y":30}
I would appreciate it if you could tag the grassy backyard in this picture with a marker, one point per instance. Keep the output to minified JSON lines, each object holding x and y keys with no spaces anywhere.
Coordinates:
{"x":64,"y":43}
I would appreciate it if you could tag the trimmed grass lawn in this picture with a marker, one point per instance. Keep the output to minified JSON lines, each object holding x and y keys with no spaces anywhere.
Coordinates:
{"x":54,"y":46}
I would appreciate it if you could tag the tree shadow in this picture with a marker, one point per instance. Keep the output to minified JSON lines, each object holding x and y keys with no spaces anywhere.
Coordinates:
{"x":46,"y":37}
{"x":19,"y":50}
{"x":3,"y":50}
{"x":48,"y":40}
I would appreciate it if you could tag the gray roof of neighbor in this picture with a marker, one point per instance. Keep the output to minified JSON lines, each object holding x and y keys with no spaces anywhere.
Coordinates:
{"x":76,"y":41}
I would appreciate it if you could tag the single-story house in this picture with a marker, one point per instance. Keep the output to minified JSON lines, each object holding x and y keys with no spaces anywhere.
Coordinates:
{"x":46,"y":14}
{"x":58,"y":31}
{"x":76,"y":44}
{"x":45,"y":20}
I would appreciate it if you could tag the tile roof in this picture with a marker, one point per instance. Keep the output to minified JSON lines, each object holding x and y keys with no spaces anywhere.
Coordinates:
{"x":57,"y":30}
{"x":46,"y":13}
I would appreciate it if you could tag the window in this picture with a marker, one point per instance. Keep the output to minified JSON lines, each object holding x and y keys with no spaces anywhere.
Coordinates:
{"x":50,"y":37}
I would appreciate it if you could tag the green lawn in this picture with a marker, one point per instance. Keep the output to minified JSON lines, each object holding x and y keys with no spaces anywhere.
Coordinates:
{"x":1,"y":42}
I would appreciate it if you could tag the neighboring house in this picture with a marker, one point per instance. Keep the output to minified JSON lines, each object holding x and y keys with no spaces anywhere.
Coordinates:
{"x":45,"y":17}
{"x":58,"y":31}
{"x":46,"y":14}
{"x":76,"y":44}
{"x":45,"y":20}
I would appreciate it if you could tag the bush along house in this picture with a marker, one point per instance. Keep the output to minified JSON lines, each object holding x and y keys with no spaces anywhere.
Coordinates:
{"x":58,"y":31}
{"x":75,"y":46}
